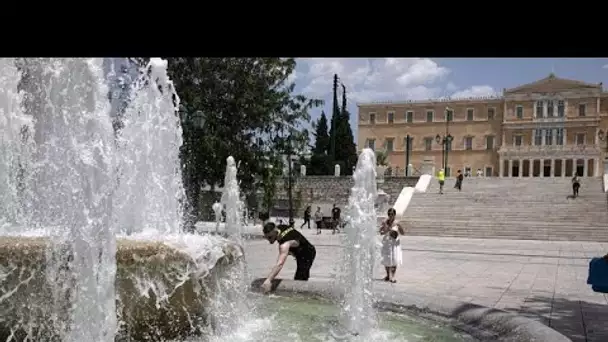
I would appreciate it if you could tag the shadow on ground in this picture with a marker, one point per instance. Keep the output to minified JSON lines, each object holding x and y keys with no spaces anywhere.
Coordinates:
{"x":579,"y":320}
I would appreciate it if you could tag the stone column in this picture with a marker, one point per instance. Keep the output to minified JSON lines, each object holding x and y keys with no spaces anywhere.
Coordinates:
{"x":596,"y":167}
{"x":541,"y":166}
{"x":510,"y":168}
{"x":531,"y":167}
{"x":521,"y":168}
{"x":501,"y":164}
{"x":564,"y":167}
{"x":552,"y":167}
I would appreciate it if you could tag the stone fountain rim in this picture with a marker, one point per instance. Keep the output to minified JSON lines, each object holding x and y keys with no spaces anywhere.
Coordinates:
{"x":479,"y":321}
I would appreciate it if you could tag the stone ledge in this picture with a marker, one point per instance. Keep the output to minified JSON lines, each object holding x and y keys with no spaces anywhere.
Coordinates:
{"x":162,"y":292}
{"x":479,"y":321}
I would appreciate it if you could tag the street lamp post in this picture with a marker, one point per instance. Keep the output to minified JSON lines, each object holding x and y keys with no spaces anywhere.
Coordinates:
{"x":289,"y":182}
{"x":603,"y":136}
{"x":446,"y":139}
{"x":408,"y":149}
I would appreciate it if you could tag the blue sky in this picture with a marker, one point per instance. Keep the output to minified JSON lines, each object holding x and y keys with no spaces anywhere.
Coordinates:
{"x":376,"y":79}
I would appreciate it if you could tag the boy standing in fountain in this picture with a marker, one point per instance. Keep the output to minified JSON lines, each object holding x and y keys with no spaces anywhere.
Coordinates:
{"x":290,"y":242}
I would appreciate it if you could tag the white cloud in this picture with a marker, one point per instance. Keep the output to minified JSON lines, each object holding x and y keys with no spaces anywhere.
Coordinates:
{"x":475,"y":91}
{"x":374,"y":79}
{"x":381,"y":79}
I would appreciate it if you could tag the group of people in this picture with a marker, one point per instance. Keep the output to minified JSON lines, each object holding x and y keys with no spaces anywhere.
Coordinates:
{"x":335,"y":219}
{"x":441,"y":179}
{"x":292,"y":242}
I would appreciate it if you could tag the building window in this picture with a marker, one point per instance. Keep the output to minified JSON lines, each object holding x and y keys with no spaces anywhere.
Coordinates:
{"x":391,"y":117}
{"x":409,"y":117}
{"x":468,"y":143}
{"x":491,"y":112}
{"x":581,"y":109}
{"x":489,"y":142}
{"x":538,"y":137}
{"x":371,"y":143}
{"x":428,"y":144}
{"x":580,"y":138}
{"x":449,"y":115}
{"x":548,"y":137}
{"x":561,"y":109}
{"x":539,"y":109}
{"x":470,"y":114}
{"x":429,"y":116}
{"x":519,"y":110}
{"x":372,"y":118}
{"x":549,"y":109}
{"x":518,"y":140}
{"x":559,"y":136}
{"x":389,"y":144}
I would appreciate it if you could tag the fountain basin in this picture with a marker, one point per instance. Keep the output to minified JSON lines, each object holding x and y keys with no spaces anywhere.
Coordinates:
{"x":474,"y":321}
{"x":162,"y":287}
{"x":305,"y":318}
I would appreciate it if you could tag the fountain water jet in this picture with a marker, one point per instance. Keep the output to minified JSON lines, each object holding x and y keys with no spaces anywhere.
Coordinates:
{"x":15,"y":148}
{"x":73,"y":183}
{"x":232,"y":202}
{"x":231,"y":304}
{"x":357,"y":314}
{"x":74,"y":280}
{"x":150,"y":193}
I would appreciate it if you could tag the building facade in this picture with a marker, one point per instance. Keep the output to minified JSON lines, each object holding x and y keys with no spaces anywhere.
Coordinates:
{"x":553,"y":127}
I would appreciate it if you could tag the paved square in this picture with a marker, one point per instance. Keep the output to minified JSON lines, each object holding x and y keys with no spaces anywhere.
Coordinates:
{"x":542,"y":280}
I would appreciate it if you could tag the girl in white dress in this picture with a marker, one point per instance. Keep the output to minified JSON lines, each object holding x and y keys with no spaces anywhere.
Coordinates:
{"x":392,"y":255}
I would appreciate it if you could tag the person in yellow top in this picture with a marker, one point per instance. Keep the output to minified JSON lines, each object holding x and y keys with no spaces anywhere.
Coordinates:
{"x":441,"y":179}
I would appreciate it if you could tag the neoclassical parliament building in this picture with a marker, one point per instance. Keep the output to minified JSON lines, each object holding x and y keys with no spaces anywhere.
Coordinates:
{"x":553,"y":127}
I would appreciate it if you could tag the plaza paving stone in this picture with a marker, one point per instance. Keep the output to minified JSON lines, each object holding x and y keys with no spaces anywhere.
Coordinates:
{"x":542,"y":280}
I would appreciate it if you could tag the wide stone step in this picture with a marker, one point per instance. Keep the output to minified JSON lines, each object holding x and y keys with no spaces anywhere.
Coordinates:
{"x":465,"y":220}
{"x":476,"y":235}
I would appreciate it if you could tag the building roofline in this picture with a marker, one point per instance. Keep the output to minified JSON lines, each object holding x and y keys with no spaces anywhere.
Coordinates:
{"x":430,"y":101}
{"x":552,"y":76}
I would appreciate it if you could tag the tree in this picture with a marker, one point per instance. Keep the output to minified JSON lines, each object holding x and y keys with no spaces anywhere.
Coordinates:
{"x":335,"y":119}
{"x":320,"y":164}
{"x":347,"y":147}
{"x":249,"y":111}
{"x":343,"y":150}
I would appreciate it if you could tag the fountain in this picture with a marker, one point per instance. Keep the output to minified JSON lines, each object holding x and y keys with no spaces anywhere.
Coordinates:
{"x":231,"y":200}
{"x":101,"y":254}
{"x":357,"y":314}
{"x":356,"y":318}
{"x":231,"y":305}
{"x":94,"y":249}
{"x":15,"y":130}
{"x":217,"y":210}
{"x":150,"y":191}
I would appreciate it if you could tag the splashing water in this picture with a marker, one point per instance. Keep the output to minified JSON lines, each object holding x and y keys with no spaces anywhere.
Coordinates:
{"x":73,"y":186}
{"x":232,"y":307}
{"x":357,"y":315}
{"x":150,"y":192}
{"x":232,"y":201}
{"x":15,"y":148}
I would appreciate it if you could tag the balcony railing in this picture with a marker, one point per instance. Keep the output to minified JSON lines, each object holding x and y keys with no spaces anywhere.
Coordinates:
{"x":549,"y":148}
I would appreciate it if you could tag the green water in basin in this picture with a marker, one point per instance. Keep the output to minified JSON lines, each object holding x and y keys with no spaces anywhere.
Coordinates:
{"x":307,"y":319}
